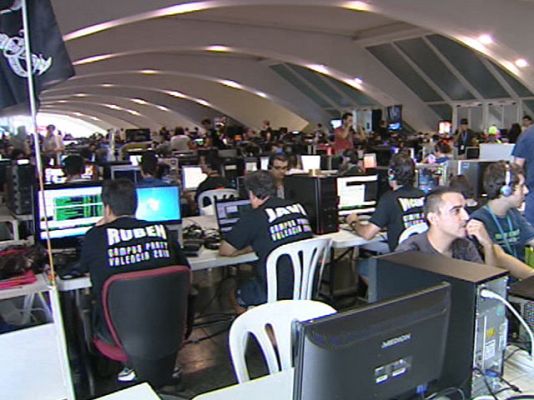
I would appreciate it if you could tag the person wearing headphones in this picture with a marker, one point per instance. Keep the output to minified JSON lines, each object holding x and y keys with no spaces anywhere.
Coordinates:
{"x":397,"y":209}
{"x":505,"y":186}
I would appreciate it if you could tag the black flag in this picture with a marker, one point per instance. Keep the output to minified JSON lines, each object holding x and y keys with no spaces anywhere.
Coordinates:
{"x":50,"y":60}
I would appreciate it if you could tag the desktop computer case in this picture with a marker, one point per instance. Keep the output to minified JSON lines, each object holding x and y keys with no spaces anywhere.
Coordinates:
{"x":318,"y":196}
{"x":478,"y":327}
{"x":20,"y":180}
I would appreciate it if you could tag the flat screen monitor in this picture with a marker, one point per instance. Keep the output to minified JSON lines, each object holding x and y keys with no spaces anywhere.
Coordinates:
{"x":445,"y":127}
{"x":430,"y":176}
{"x":394,"y":117}
{"x":54,"y":175}
{"x":335,"y":123}
{"x":251,"y":164}
{"x":380,"y":351}
{"x":135,"y":159}
{"x":472,"y":153}
{"x":264,"y":163}
{"x":474,"y":170}
{"x":229,"y":212}
{"x":69,"y":210}
{"x":357,"y":194}
{"x":496,"y":151}
{"x":129,"y":172}
{"x":192,"y":176}
{"x":310,"y":162}
{"x":138,"y":135}
{"x":159,"y":204}
{"x":369,"y":161}
{"x":228,"y":153}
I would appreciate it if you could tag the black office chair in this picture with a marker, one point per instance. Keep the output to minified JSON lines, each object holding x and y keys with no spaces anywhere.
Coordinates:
{"x":145,"y":311}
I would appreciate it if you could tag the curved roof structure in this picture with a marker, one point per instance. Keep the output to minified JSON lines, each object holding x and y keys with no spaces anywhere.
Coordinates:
{"x":297,"y":62}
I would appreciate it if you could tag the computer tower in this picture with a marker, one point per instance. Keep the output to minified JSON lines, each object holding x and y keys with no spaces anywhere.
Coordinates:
{"x":477,"y":328}
{"x":20,"y":183}
{"x":318,"y":196}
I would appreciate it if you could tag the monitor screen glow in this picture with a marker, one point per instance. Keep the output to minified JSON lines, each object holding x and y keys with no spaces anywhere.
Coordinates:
{"x":159,"y":204}
{"x":192,"y":176}
{"x":310,"y":162}
{"x":357,"y":194}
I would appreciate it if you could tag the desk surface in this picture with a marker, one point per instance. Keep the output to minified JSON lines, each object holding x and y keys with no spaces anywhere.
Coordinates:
{"x":519,"y":371}
{"x":138,"y":392}
{"x":211,"y":259}
{"x":24,"y":290}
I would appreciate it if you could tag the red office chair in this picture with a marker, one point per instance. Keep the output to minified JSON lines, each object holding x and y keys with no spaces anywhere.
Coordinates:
{"x":145,"y":311}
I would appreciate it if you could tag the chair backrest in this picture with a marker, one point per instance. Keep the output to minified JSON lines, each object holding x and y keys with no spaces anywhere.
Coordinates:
{"x":305,"y":255}
{"x":278,"y":317}
{"x":412,"y":230}
{"x":145,"y":312}
{"x":212,"y":195}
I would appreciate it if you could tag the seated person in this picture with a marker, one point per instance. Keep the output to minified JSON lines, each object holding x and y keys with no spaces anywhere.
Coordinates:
{"x":149,"y":170}
{"x":120,"y":232}
{"x":449,"y":227}
{"x":504,"y":184}
{"x":74,"y":167}
{"x":279,"y":166}
{"x":442,"y":153}
{"x":213,"y":180}
{"x":397,"y":209}
{"x":448,"y":232}
{"x":273,"y":222}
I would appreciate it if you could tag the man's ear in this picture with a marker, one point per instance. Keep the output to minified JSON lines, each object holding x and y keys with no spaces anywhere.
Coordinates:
{"x":432,"y":218}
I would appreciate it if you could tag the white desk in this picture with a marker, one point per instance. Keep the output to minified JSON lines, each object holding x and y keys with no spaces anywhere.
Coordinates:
{"x":211,"y":258}
{"x":519,"y":370}
{"x":138,"y":392}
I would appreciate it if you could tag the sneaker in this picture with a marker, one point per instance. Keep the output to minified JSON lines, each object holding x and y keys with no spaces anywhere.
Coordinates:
{"x":126,"y":375}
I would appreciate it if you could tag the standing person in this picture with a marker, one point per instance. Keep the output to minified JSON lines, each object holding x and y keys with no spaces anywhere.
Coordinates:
{"x":523,"y":153}
{"x":271,"y":223}
{"x":180,"y":141}
{"x":526,"y":122}
{"x":344,"y":135}
{"x":399,"y":208}
{"x":464,"y":137}
{"x":52,"y":143}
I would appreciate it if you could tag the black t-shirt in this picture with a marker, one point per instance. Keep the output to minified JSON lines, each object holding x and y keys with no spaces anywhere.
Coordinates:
{"x":275,"y":223}
{"x":397,"y":210}
{"x":124,"y":245}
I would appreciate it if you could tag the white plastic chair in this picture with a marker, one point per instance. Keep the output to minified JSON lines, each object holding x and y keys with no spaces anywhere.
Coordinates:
{"x":305,"y":256}
{"x":279,"y":317}
{"x":212,"y":195}
{"x":412,"y":230}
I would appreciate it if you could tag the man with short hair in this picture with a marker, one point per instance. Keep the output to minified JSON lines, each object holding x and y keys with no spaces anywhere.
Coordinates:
{"x":149,"y":170}
{"x":278,"y":166}
{"x":449,"y":227}
{"x":504,"y":184}
{"x":180,"y":141}
{"x":526,"y":122}
{"x":399,"y":208}
{"x":121,"y":243}
{"x":74,"y":167}
{"x":271,"y":223}
{"x":523,"y":153}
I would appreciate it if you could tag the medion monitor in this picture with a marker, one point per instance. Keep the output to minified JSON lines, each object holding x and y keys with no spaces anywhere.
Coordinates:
{"x":70,"y":210}
{"x":159,"y":204}
{"x":357,"y":194}
{"x":192,"y":176}
{"x":381,"y":351}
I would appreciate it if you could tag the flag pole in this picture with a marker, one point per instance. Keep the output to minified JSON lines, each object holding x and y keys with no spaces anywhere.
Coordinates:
{"x":36,"y":144}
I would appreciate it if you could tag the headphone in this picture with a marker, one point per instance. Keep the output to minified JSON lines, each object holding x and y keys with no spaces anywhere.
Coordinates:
{"x":507,"y":190}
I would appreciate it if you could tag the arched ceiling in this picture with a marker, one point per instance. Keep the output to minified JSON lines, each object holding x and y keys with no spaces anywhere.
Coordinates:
{"x":298,"y":62}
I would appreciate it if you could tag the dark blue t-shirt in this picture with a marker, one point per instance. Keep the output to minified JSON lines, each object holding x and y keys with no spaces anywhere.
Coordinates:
{"x":512,"y":232}
{"x":524,"y":148}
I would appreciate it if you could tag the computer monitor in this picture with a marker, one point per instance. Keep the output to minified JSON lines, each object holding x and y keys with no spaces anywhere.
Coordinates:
{"x":138,"y":135}
{"x":251,"y":164}
{"x":380,"y":351}
{"x":71,"y":210}
{"x":159,"y":204}
{"x":474,"y":170}
{"x":369,"y":161}
{"x":130,"y":172}
{"x":310,"y":162}
{"x":357,"y":194}
{"x":335,"y":123}
{"x":54,"y":175}
{"x":229,"y":212}
{"x":394,"y":117}
{"x":192,"y":176}
{"x":445,"y":127}
{"x":264,"y":163}
{"x":227,"y":153}
{"x":135,"y":159}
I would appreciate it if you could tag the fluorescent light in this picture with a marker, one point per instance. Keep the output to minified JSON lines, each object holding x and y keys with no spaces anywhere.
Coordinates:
{"x":358,"y":81}
{"x":218,"y":48}
{"x":107,"y":85}
{"x":322,"y":69}
{"x":140,"y":101}
{"x":181,"y":9}
{"x":485,"y":39}
{"x":80,"y":95}
{"x":133,"y":112}
{"x":521,"y":63}
{"x":93,"y":59}
{"x":112,"y":106}
{"x":356,"y":5}
{"x":231,"y":84}
{"x":149,"y":71}
{"x":261,"y":94}
{"x":176,"y":94}
{"x":162,"y":108}
{"x":202,"y":102}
